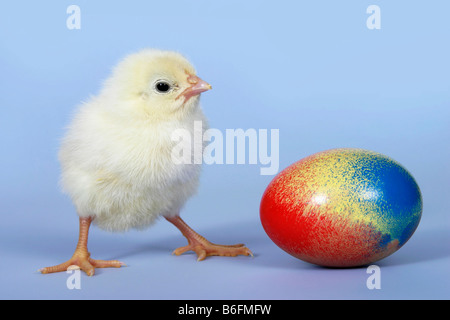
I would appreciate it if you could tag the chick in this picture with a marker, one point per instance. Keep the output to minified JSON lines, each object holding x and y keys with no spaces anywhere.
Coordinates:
{"x":116,"y":157}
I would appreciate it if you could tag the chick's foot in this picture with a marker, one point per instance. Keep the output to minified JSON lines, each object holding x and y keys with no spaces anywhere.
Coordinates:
{"x":81,"y":258}
{"x":205,"y":249}
{"x":202,"y":247}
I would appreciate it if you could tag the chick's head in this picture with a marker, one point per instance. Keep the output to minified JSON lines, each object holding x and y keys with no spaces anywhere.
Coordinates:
{"x":159,"y":84}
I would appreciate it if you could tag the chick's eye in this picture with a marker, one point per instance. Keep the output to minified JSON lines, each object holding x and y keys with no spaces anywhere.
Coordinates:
{"x":162,"y":86}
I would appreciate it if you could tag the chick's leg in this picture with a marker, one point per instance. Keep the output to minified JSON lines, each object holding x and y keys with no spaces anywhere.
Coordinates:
{"x":202,"y":247}
{"x":81,"y":258}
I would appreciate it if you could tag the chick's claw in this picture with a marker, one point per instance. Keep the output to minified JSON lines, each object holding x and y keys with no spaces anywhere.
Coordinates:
{"x":205,"y":249}
{"x":202,"y":247}
{"x":84,"y":263}
{"x":81,"y":258}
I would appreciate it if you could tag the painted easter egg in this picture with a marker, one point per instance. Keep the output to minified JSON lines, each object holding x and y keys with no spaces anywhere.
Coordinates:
{"x":342,"y":208}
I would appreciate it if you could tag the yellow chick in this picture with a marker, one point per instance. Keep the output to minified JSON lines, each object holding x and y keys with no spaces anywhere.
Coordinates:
{"x":116,"y":157}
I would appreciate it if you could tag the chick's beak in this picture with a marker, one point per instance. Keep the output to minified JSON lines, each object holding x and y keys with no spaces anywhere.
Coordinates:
{"x":197,"y":86}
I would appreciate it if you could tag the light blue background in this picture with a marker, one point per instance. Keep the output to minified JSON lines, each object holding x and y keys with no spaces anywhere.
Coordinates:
{"x":311,"y":69}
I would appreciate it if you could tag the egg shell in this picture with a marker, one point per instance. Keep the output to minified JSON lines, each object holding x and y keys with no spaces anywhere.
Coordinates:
{"x":342,"y":208}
